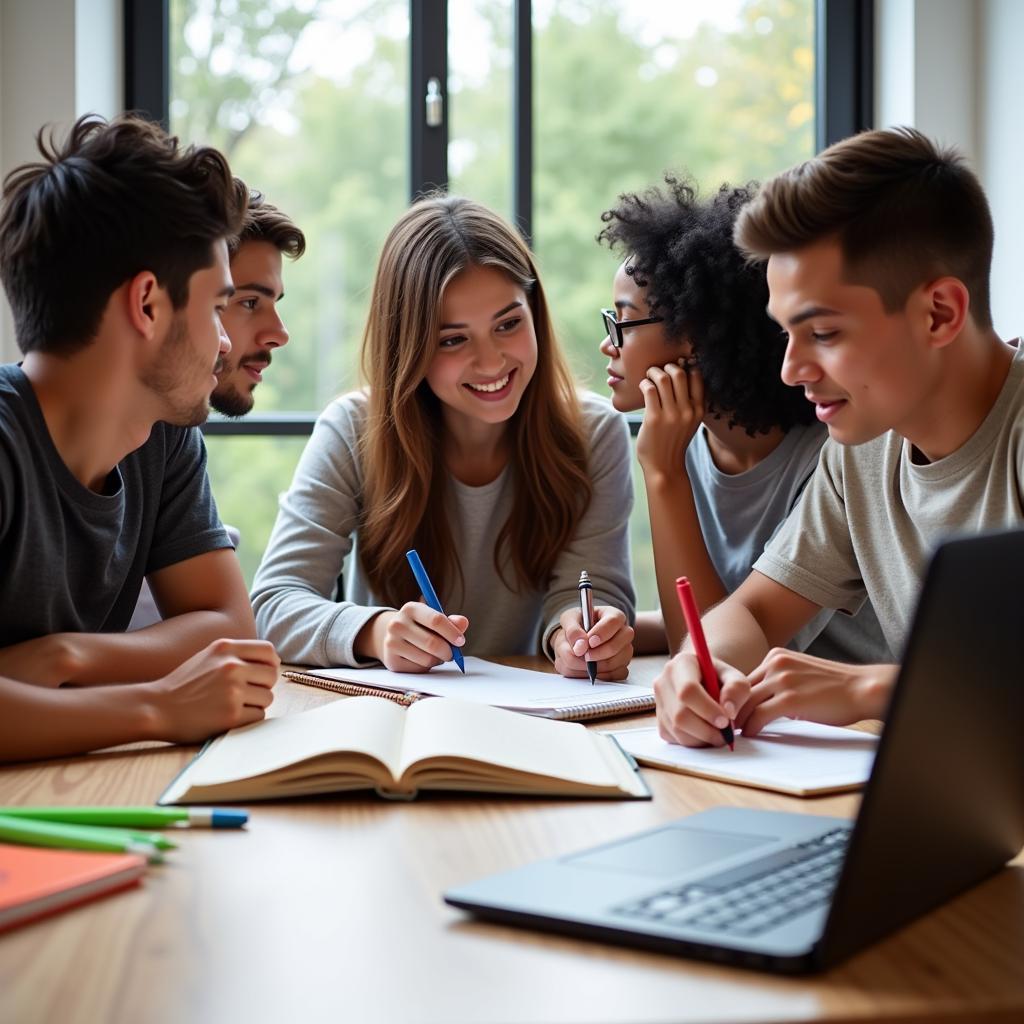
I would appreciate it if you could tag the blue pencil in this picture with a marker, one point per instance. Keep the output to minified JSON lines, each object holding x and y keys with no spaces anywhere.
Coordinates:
{"x":430,"y":596}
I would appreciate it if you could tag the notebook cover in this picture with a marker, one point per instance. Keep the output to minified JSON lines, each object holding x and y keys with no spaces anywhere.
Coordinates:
{"x":35,"y":881}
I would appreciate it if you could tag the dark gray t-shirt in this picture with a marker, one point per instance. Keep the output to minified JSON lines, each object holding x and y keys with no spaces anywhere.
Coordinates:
{"x":72,"y":560}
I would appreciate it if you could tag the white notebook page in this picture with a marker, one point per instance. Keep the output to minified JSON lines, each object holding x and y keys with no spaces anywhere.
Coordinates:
{"x":486,"y":682}
{"x":793,"y":757}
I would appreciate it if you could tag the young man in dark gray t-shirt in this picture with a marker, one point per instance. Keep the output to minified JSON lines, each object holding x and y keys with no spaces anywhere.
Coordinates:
{"x":113,"y":255}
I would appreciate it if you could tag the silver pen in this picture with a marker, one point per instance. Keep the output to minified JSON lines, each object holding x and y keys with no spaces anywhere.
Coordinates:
{"x":587,"y":608}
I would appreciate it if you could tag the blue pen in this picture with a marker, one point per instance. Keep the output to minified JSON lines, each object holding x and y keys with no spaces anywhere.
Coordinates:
{"x":430,"y":596}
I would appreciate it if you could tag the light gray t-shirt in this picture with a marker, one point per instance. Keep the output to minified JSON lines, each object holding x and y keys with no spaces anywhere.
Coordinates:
{"x":871,"y":517}
{"x":740,"y":512}
{"x":315,"y":539}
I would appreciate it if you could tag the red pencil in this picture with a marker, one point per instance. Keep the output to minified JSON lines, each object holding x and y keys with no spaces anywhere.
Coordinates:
{"x":708,"y":675}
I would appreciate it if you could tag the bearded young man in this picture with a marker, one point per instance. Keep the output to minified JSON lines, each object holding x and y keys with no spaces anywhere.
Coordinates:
{"x":251,"y":318}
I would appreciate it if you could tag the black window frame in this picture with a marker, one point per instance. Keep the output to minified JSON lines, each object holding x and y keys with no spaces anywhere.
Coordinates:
{"x":844,"y":105}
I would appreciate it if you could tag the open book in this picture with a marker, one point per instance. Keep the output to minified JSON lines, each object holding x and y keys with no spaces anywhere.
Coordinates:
{"x":800,"y":758}
{"x":369,"y":743}
{"x":518,"y":689}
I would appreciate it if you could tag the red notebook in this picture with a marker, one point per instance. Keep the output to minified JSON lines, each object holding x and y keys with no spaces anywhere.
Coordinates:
{"x":36,"y":881}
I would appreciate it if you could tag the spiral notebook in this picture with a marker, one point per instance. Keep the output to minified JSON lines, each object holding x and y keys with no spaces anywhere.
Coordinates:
{"x":485,"y":682}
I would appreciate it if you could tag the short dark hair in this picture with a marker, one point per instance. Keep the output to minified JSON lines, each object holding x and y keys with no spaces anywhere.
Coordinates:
{"x":266,"y":223}
{"x":113,"y":200}
{"x":903,"y":210}
{"x":679,"y":246}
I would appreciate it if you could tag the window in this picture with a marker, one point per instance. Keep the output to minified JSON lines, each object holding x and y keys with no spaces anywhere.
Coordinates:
{"x":549,"y":111}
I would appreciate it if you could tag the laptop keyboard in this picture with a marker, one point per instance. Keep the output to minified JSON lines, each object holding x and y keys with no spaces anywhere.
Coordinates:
{"x":750,"y":899}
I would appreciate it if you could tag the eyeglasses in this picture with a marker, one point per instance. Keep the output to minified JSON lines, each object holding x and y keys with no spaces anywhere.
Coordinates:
{"x":614,"y":328}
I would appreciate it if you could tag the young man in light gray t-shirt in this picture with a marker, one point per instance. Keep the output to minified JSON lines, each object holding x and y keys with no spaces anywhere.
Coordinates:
{"x":878,"y":254}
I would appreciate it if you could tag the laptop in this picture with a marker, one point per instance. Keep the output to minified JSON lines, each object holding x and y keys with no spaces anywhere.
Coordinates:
{"x":943,"y":810}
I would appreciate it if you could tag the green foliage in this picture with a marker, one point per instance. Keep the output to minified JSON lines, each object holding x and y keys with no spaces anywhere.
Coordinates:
{"x":611,"y":119}
{"x":325,"y":137}
{"x":247,"y":475}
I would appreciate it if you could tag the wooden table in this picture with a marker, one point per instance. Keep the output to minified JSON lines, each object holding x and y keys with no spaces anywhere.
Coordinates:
{"x":330,"y":910}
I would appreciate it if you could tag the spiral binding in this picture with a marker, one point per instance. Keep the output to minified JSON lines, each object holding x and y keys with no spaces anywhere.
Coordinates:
{"x":572,"y":713}
{"x":351,"y":689}
{"x":588,"y":712}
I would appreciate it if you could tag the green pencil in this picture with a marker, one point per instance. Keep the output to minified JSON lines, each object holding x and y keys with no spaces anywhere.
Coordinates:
{"x":31,"y":832}
{"x":134,"y":817}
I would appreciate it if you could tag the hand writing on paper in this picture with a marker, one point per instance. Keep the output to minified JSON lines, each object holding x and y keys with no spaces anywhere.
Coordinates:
{"x":785,"y":684}
{"x":686,"y":712}
{"x":610,"y":643}
{"x":673,"y":410}
{"x":413,"y":639}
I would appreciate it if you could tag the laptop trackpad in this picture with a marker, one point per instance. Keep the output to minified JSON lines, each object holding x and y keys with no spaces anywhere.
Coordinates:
{"x":668,"y":851}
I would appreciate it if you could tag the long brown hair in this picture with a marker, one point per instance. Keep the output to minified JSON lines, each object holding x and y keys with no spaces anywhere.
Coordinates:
{"x":402,"y":449}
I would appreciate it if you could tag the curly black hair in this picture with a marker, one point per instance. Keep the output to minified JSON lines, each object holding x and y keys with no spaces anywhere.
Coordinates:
{"x":680,"y":248}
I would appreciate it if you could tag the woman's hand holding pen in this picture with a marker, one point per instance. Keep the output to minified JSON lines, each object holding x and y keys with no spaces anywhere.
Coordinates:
{"x":673,"y":410}
{"x":609,"y":641}
{"x":413,"y":639}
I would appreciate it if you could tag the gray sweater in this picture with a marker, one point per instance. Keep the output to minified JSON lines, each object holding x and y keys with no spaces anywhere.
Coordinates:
{"x":315,"y":540}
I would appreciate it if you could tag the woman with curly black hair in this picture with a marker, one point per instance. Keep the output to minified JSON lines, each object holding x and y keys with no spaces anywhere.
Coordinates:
{"x":725,"y":447}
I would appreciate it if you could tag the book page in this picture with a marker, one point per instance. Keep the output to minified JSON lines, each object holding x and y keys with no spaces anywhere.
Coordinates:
{"x":459,"y":729}
{"x":366,"y":725}
{"x":794,"y":757}
{"x":489,"y":683}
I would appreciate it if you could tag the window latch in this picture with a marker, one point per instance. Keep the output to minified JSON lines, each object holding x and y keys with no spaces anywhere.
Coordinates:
{"x":434,"y":104}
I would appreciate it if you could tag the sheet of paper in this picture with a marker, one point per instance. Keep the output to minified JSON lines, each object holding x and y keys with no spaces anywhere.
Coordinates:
{"x":488,"y":683}
{"x":794,"y":757}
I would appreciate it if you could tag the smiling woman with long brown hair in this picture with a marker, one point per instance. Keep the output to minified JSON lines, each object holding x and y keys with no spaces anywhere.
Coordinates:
{"x":470,"y":444}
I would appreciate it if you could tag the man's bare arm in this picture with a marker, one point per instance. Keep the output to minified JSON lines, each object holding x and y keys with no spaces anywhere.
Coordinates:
{"x":759,"y":615}
{"x":39,"y":721}
{"x":202,"y":599}
{"x":227,"y":684}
